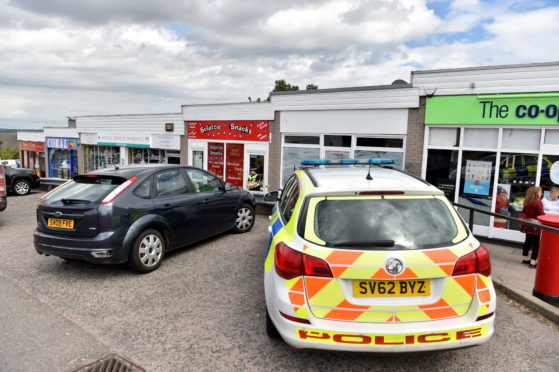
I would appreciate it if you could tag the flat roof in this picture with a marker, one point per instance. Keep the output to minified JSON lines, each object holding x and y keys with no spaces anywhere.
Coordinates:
{"x":349,"y":89}
{"x":485,"y":68}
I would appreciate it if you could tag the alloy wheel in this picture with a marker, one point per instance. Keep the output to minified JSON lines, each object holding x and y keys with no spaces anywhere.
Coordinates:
{"x":244,"y":219}
{"x":21,"y":188}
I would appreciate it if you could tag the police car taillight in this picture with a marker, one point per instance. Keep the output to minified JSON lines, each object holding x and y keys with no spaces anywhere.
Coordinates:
{"x":290,"y":263}
{"x":116,"y":192}
{"x":477,"y":261}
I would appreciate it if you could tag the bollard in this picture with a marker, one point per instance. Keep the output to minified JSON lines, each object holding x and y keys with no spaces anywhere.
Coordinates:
{"x":546,"y":286}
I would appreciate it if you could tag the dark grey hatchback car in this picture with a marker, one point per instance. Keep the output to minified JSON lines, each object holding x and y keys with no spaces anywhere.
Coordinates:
{"x":137,"y":214}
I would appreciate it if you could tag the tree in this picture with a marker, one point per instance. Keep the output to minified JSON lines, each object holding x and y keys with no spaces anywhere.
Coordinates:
{"x":11,"y":152}
{"x":311,"y":87}
{"x":282,"y":86}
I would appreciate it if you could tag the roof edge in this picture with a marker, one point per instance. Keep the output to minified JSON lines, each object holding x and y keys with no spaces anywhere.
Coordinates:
{"x":419,"y":72}
{"x":349,"y":89}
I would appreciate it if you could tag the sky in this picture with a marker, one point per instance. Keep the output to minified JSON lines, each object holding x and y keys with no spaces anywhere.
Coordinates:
{"x":64,"y":58}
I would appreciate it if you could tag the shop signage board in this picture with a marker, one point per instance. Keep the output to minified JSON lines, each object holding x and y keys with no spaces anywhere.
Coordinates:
{"x":32,"y":146}
{"x":131,"y":140}
{"x":235,"y":162}
{"x":61,"y":143}
{"x":495,"y":109}
{"x":216,"y":155}
{"x":236,"y":130}
{"x":165,"y":141}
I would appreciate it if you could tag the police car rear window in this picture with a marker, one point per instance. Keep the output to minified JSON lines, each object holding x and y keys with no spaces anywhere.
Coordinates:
{"x":385,"y":223}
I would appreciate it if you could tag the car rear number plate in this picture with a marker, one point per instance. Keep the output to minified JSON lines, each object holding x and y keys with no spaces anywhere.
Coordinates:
{"x":391,"y":288}
{"x":60,"y":223}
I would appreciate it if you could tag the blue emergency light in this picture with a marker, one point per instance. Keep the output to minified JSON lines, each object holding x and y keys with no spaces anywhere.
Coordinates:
{"x":317,"y":162}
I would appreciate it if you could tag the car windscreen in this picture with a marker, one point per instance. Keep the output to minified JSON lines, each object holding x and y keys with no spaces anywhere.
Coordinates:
{"x":85,"y":189}
{"x":386,"y":223}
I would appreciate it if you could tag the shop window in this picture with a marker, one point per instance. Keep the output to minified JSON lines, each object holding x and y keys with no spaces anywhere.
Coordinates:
{"x":517,"y":172}
{"x":441,"y":164}
{"x":476,"y":183}
{"x":398,"y":157}
{"x":337,"y":141}
{"x":292,"y":157}
{"x":198,"y":159}
{"x":380,"y":142}
{"x":550,"y":173}
{"x":146,"y":156}
{"x":306,"y":140}
{"x":334,"y":155}
{"x":551,"y":137}
{"x":99,"y":157}
{"x":481,"y":138}
{"x":444,"y":136}
{"x":521,"y":139}
{"x":62,"y":163}
{"x":170,"y":183}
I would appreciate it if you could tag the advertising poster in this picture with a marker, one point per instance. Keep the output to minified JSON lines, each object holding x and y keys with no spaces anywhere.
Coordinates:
{"x":235,"y":160}
{"x":216,"y":152}
{"x":478,"y":177}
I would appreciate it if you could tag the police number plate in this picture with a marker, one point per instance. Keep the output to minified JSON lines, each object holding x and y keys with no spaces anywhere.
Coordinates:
{"x":391,"y":288}
{"x":60,"y":223}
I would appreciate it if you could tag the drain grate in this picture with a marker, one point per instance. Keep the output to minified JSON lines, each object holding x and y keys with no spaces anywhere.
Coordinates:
{"x":110,"y":363}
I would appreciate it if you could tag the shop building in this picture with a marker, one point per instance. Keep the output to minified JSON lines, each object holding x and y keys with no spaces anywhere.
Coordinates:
{"x":230,"y":140}
{"x":32,"y":151}
{"x":489,"y":134}
{"x":61,"y":145}
{"x":108,"y":140}
{"x":360,"y":122}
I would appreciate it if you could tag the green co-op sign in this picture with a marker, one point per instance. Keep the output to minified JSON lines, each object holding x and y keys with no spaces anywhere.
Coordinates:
{"x":500,"y":109}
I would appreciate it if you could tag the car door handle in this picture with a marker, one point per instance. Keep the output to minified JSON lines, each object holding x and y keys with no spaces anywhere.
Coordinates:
{"x":167,"y":206}
{"x":206,"y":201}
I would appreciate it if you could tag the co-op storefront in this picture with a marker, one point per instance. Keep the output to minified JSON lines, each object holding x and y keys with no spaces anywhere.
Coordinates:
{"x":485,"y":150}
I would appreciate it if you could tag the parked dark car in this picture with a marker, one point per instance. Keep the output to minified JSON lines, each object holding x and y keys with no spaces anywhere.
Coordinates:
{"x":21,"y":181}
{"x":138,"y":214}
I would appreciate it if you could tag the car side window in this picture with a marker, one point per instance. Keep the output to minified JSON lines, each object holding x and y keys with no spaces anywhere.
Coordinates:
{"x":170,"y":183}
{"x":289,"y":198}
{"x":144,"y":190}
{"x":204,"y":182}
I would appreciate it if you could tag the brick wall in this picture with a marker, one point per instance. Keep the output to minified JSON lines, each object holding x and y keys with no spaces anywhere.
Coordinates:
{"x":274,"y":163}
{"x":414,"y":138}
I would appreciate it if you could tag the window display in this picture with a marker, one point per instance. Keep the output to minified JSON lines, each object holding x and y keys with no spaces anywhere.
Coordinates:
{"x":98,"y":157}
{"x":146,"y":156}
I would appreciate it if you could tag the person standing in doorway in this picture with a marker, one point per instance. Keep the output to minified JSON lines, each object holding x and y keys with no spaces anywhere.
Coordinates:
{"x":551,"y":203}
{"x":533,"y":207}
{"x":254,"y":181}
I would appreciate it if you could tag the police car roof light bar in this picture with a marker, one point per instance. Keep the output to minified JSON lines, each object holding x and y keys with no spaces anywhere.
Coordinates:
{"x":319,"y":162}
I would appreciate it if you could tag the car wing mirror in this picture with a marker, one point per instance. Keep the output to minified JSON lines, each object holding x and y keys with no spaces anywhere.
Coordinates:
{"x":271,"y":196}
{"x":228,"y":187}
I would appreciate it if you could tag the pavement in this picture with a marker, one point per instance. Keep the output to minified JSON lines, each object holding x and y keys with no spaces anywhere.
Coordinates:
{"x":514,"y":279}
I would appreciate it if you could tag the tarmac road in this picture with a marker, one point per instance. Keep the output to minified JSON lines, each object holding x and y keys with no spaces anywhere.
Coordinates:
{"x":203,"y":309}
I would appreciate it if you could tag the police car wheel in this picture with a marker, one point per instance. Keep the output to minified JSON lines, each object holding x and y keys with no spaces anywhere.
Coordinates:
{"x":244,"y":220}
{"x":271,"y":329}
{"x":147,"y":252}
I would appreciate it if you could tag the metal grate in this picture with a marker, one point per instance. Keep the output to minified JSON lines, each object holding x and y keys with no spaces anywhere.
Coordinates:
{"x":110,"y":363}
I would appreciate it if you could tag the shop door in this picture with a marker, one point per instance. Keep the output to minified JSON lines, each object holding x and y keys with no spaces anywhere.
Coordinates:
{"x":234,"y":170}
{"x":257,"y":173}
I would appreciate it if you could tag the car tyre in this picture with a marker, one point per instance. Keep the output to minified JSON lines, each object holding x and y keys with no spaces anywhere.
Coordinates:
{"x":271,"y":329}
{"x":244,"y":219}
{"x":148,"y":251}
{"x":22,"y":187}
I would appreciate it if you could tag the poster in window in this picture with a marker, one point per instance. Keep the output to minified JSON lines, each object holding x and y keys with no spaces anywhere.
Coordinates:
{"x":235,"y":161}
{"x":478,"y":177}
{"x":216,"y":154}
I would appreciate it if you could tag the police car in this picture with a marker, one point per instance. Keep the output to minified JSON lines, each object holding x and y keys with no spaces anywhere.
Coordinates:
{"x":370,"y":258}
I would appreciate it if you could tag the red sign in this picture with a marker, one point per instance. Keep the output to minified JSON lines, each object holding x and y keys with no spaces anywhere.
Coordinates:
{"x":32,"y":146}
{"x":215,"y":158}
{"x":237,"y":130}
{"x":235,"y":162}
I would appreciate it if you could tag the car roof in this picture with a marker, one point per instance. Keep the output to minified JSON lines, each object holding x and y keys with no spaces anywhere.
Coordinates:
{"x":353,"y":179}
{"x":127,"y":171}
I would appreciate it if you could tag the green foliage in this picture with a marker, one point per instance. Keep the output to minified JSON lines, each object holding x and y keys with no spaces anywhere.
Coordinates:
{"x":282,"y":86}
{"x":311,"y":87}
{"x":9,"y":152}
